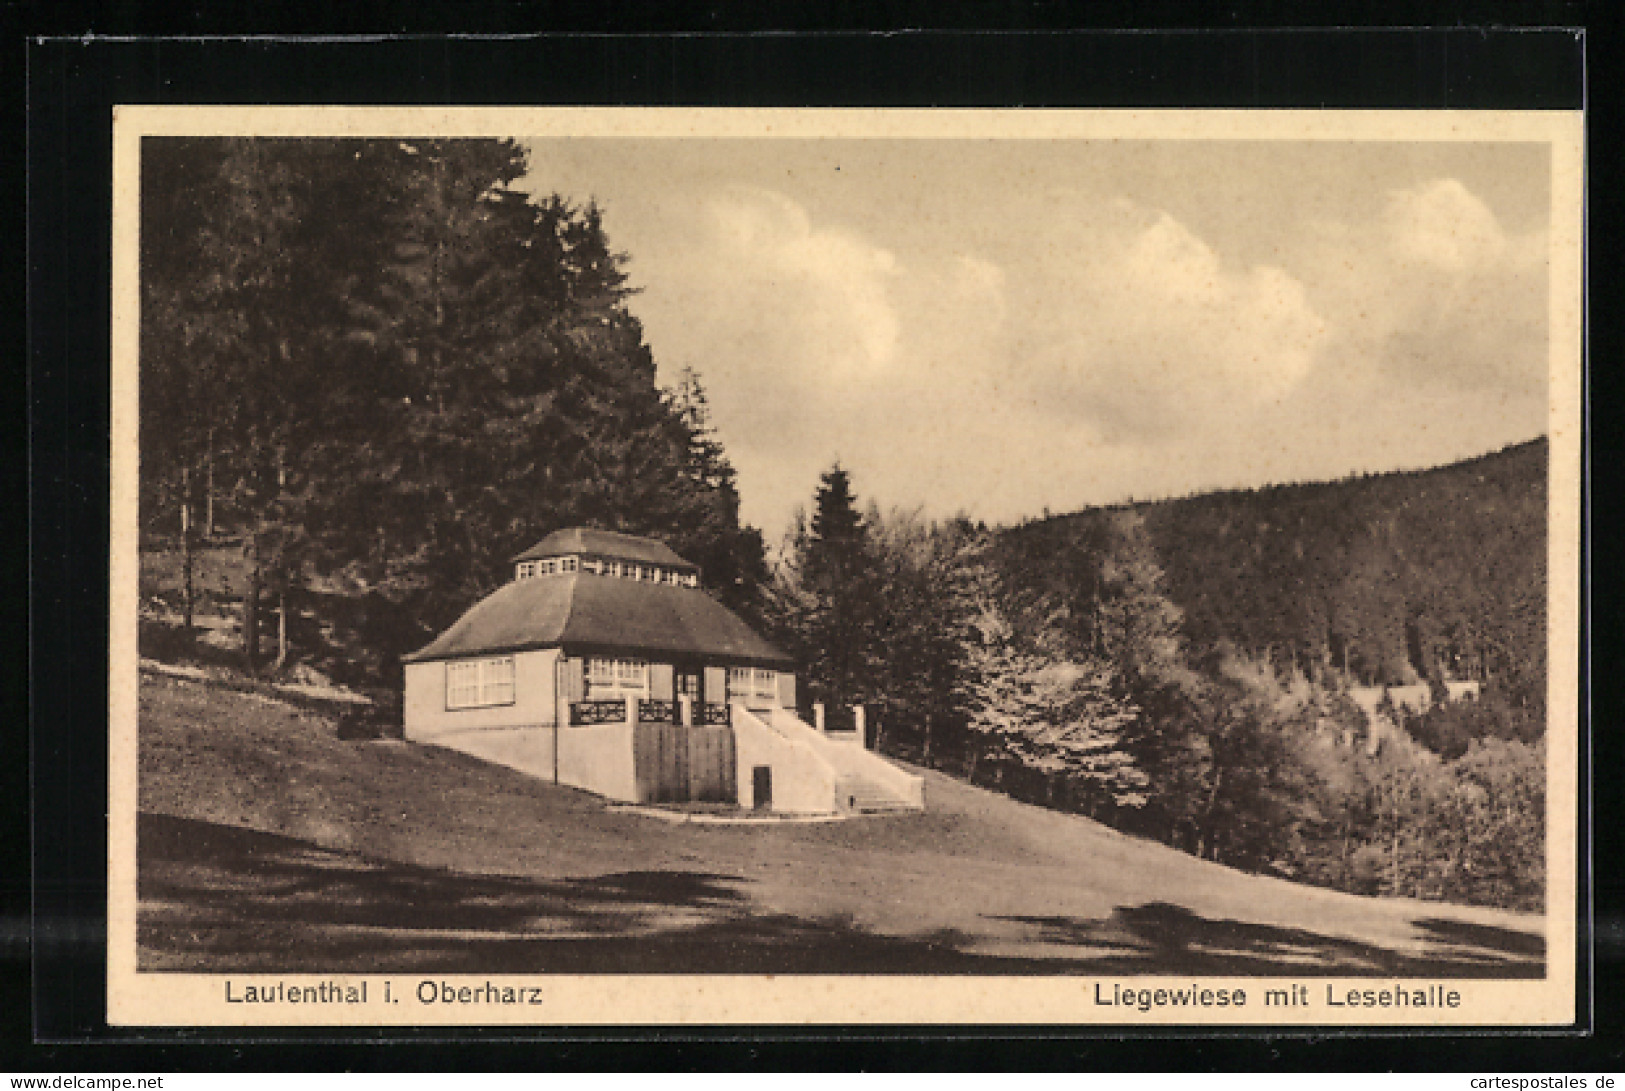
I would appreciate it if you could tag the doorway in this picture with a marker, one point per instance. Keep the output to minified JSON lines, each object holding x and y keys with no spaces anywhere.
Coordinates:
{"x":690,"y":682}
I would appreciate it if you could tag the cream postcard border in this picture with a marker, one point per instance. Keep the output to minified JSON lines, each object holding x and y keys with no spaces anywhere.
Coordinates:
{"x":180,"y":999}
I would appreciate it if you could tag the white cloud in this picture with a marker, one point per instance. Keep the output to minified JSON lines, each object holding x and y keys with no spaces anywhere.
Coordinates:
{"x":1070,"y":348}
{"x":820,"y":294}
{"x":1440,"y":295}
{"x":1155,"y":331}
{"x":1441,"y":224}
{"x":815,"y":342}
{"x":796,"y":329}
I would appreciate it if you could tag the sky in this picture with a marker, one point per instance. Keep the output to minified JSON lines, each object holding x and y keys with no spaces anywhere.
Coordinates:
{"x":1001,"y":328}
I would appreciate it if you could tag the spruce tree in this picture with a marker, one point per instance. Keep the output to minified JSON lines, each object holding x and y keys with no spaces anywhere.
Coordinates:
{"x":835,"y":576}
{"x":399,"y":370}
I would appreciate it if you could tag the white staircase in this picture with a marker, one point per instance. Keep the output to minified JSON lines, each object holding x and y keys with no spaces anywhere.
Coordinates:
{"x":859,"y":795}
{"x":814,"y":773}
{"x":865,"y":782}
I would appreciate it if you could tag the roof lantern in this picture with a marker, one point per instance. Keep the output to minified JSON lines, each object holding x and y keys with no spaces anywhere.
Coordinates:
{"x":606,"y":553}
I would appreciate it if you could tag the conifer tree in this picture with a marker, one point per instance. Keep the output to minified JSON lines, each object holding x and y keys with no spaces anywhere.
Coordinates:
{"x":922,"y":612}
{"x":832,"y":602}
{"x":402,"y":370}
{"x":1139,"y":632}
{"x":237,"y":321}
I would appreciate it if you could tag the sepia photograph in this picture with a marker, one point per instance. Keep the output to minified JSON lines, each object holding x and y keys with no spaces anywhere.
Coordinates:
{"x":730,"y":566}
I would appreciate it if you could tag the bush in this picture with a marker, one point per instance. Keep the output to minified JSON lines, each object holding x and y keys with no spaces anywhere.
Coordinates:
{"x":1450,"y":728}
{"x":377,"y":721}
{"x":165,"y":643}
{"x":1367,"y":867}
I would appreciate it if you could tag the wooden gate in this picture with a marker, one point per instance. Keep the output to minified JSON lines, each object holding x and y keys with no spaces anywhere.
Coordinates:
{"x":677,"y":764}
{"x":711,"y":769}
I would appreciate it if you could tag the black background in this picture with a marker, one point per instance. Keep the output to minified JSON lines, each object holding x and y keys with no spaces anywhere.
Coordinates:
{"x":810,"y":54}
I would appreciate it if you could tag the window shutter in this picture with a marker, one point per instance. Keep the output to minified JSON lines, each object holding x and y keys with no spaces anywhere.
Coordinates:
{"x":716,"y":685}
{"x":660,"y":681}
{"x":787,"y":690}
{"x":497,"y":681}
{"x":574,"y":684}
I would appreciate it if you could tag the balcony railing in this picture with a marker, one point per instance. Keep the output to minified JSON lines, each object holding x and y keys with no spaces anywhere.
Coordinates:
{"x":593,"y":713}
{"x":614,"y":711}
{"x":657,"y":712}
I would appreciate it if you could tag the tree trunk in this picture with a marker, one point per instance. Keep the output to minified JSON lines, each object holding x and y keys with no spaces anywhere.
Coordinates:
{"x":186,"y":566}
{"x":251,"y":611}
{"x":208,"y":491}
{"x":1393,"y":853}
{"x":1206,"y":829}
{"x":186,"y":549}
{"x":281,"y":631}
{"x":925,"y":754}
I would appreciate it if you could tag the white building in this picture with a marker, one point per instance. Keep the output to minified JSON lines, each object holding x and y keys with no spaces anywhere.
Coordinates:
{"x":604,"y":666}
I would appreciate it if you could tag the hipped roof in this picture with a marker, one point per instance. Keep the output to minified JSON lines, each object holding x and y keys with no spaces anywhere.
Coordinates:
{"x":603,"y":543}
{"x":602,"y":613}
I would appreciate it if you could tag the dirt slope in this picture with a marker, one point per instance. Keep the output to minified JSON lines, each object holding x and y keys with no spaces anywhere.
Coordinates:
{"x":268,"y":843}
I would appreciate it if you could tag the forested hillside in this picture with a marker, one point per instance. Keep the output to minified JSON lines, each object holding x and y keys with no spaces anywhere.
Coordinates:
{"x":1184,"y":669}
{"x":384,"y":370}
{"x":1389,"y":578}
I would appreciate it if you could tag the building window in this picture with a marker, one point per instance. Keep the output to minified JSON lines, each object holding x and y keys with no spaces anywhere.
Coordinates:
{"x":754,"y":686}
{"x":479,"y":683}
{"x":654,"y":574}
{"x":611,"y":678}
{"x":612,"y":568}
{"x":567,"y":564}
{"x":546,"y":568}
{"x":526,"y":570}
{"x":635,"y":572}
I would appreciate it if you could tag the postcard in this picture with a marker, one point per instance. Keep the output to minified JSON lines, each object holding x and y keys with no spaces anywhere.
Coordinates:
{"x":586,"y":567}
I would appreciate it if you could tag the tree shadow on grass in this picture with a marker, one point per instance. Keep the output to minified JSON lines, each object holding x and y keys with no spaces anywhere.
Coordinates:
{"x":1484,"y":936}
{"x":1160,"y":938}
{"x":224,"y":898}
